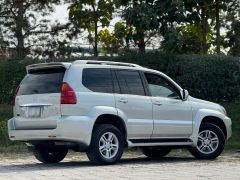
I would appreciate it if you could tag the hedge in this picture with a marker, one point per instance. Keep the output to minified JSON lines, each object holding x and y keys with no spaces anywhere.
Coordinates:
{"x":209,"y":77}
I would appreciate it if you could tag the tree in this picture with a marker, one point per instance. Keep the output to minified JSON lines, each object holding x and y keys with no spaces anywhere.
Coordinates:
{"x":200,"y":12}
{"x":108,"y":41}
{"x":20,"y":20}
{"x":217,"y":26}
{"x":229,"y":7}
{"x":208,"y":14}
{"x":222,"y":6}
{"x":183,"y":39}
{"x":232,"y":24}
{"x":3,"y":43}
{"x":60,"y":43}
{"x":234,"y":39}
{"x":142,"y":16}
{"x":89,"y":15}
{"x":112,"y":41}
{"x":149,"y":17}
{"x":123,"y":33}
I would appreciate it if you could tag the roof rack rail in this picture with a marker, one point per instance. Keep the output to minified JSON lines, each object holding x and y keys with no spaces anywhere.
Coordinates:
{"x":105,"y":63}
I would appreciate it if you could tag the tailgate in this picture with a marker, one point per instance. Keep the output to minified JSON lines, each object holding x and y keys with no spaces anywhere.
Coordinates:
{"x":37,"y":104}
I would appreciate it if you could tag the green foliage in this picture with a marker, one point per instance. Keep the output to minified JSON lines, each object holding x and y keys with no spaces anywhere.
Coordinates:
{"x":234,"y":39}
{"x":3,"y":43}
{"x":86,"y":12}
{"x":196,"y":32}
{"x":150,"y":17}
{"x":89,"y":14}
{"x":185,"y":39}
{"x":124,"y":32}
{"x":209,"y":77}
{"x":109,"y":42}
{"x":3,"y":133}
{"x":11,"y":74}
{"x":233,"y":110}
{"x":5,"y":113}
{"x":20,"y":24}
{"x":143,"y":16}
{"x":112,"y":41}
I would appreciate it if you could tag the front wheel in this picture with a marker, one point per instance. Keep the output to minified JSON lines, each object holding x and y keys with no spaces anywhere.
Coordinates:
{"x":155,"y":152}
{"x":50,"y":155}
{"x":211,"y":141}
{"x":106,"y":145}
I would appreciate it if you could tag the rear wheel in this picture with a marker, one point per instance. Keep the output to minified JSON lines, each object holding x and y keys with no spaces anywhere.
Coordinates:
{"x":106,"y":145}
{"x":211,"y":141}
{"x":155,"y":152}
{"x":49,"y":155}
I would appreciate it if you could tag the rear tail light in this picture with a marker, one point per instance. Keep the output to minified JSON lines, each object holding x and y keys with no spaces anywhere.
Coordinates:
{"x":14,"y":96}
{"x":68,"y":95}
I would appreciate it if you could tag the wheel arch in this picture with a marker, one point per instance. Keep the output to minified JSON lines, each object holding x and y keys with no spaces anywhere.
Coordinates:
{"x":209,"y":116}
{"x":217,"y":122}
{"x":114,"y":120}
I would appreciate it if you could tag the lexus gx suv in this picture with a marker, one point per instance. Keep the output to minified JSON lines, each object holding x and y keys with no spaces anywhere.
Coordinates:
{"x":101,"y":107}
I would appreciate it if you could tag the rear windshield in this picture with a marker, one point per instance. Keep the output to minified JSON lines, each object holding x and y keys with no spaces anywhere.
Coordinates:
{"x":42,"y":81}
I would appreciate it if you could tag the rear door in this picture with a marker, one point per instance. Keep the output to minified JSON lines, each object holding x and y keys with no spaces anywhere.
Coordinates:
{"x":37,"y":104}
{"x":134,"y":104}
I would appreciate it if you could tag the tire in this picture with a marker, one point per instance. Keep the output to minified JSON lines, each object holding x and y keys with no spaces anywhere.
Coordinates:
{"x":49,"y":155}
{"x":156,"y":152}
{"x":111,"y":150}
{"x":214,"y":142}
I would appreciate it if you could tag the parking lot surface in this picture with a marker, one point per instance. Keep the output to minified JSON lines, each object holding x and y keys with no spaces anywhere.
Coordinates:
{"x":132,"y":166}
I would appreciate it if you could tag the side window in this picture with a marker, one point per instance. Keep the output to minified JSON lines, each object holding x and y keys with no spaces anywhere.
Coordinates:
{"x":130,"y":82}
{"x":160,"y":87}
{"x":97,"y":80}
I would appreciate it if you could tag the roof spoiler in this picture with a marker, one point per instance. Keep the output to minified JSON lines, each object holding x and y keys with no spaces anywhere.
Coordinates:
{"x":47,"y":65}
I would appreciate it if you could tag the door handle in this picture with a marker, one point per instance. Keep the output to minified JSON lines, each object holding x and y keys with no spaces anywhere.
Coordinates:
{"x":157,"y":103}
{"x":123,"y":100}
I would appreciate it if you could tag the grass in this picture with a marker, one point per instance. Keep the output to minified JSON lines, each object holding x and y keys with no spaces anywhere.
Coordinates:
{"x":233,"y":110}
{"x":5,"y":114}
{"x":233,"y":144}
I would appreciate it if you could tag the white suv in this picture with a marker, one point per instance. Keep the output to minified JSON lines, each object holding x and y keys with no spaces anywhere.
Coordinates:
{"x":100,"y":107}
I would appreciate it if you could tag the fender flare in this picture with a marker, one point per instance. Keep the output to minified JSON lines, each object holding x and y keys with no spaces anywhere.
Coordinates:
{"x":97,"y":111}
{"x":197,"y":120}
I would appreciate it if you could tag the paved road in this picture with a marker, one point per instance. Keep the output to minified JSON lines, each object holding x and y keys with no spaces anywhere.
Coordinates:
{"x":132,"y":166}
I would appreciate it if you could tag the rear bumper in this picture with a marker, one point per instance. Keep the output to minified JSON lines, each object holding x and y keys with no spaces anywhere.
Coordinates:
{"x":69,"y":128}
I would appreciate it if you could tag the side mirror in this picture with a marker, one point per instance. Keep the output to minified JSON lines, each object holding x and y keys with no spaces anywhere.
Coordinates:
{"x":185,"y":94}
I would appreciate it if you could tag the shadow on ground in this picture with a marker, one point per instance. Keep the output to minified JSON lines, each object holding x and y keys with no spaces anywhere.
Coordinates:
{"x":24,"y":167}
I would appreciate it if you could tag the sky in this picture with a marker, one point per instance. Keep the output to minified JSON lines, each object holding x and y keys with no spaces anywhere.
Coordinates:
{"x":61,"y":13}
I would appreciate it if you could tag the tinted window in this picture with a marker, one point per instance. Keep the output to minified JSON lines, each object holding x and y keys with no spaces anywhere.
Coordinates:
{"x":42,"y":81}
{"x":97,"y":80}
{"x":159,"y":86}
{"x":130,"y":82}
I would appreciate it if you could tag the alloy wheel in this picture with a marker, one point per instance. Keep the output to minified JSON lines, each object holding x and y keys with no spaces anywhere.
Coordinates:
{"x":108,"y":145}
{"x":207,"y":142}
